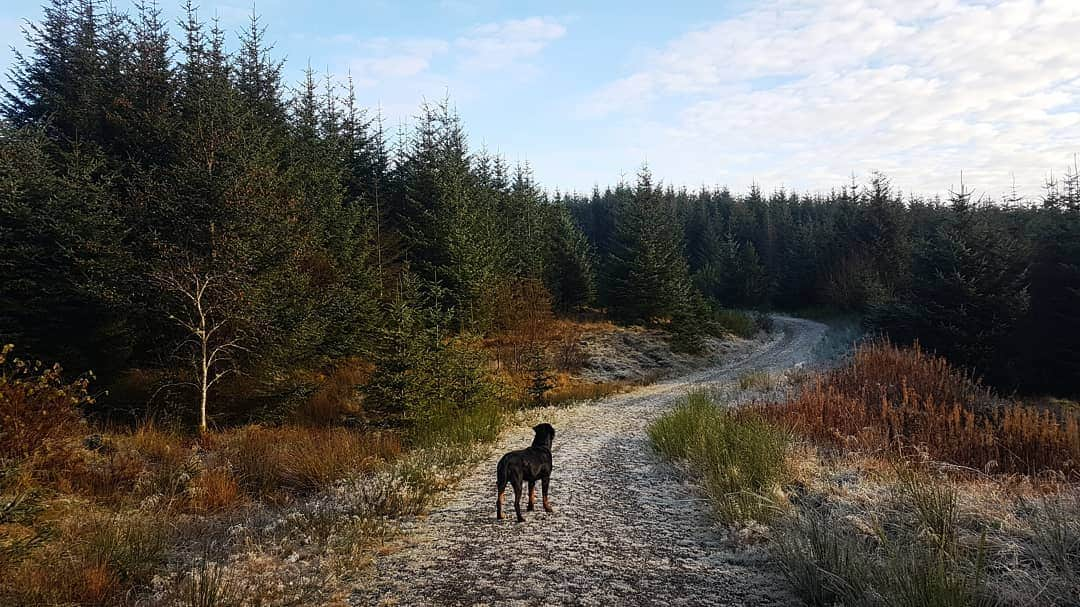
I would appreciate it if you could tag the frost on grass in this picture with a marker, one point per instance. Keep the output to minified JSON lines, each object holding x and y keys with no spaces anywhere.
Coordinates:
{"x":309,"y":552}
{"x":627,"y":528}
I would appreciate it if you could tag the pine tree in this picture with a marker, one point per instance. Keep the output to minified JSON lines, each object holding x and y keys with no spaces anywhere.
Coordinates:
{"x":540,"y":378}
{"x":646,"y":275}
{"x":64,"y":292}
{"x":258,"y":77}
{"x":1047,"y":336}
{"x":569,"y":272}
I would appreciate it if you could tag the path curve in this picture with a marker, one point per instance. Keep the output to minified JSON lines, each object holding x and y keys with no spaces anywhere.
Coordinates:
{"x":627,"y":530}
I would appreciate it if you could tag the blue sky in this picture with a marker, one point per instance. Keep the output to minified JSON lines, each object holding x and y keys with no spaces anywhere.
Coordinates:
{"x":786,"y":93}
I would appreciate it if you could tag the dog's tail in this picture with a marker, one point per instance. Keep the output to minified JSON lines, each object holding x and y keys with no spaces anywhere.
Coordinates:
{"x":500,"y":485}
{"x":500,"y":475}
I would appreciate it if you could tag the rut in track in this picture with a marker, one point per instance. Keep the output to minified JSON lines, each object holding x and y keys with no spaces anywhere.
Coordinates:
{"x":626,"y":529}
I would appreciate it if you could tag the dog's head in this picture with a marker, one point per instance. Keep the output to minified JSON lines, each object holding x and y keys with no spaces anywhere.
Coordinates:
{"x":545,"y":433}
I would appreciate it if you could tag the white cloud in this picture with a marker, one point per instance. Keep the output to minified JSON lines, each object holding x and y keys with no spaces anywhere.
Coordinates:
{"x":498,"y":45}
{"x":385,"y":58}
{"x":492,"y":46}
{"x":804,"y":93}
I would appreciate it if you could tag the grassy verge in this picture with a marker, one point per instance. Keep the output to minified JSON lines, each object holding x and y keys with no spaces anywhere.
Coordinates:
{"x":740,"y":459}
{"x":902,"y":481}
{"x":913,"y":548}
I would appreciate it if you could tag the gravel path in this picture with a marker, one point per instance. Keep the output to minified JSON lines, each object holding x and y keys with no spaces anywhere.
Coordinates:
{"x":627,"y":530}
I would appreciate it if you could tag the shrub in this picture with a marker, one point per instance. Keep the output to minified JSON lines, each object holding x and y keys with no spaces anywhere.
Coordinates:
{"x":898,"y":399}
{"x":569,"y":355}
{"x":879,"y":370}
{"x":739,"y":457}
{"x":40,"y":418}
{"x":736,"y":323}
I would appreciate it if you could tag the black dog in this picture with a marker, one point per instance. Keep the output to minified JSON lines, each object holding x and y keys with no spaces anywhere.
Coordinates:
{"x":531,"y":465}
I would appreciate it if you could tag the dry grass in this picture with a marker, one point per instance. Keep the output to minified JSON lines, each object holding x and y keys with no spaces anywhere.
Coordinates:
{"x":871,"y":529}
{"x":266,"y":460}
{"x":584,"y":391}
{"x":216,"y":489}
{"x":87,"y":513}
{"x":888,"y":510}
{"x":336,"y":398}
{"x":904,"y":400}
{"x":95,"y":559}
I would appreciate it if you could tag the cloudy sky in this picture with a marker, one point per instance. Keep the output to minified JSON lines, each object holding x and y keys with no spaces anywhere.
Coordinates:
{"x":793,"y":93}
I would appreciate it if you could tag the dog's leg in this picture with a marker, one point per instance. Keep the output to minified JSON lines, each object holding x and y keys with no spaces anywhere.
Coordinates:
{"x":500,"y":488}
{"x":532,"y":496}
{"x":499,"y":501}
{"x":517,"y":501}
{"x":544,"y":484}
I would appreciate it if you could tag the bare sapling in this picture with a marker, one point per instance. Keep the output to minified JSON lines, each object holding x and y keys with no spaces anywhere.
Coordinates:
{"x":212,"y":339}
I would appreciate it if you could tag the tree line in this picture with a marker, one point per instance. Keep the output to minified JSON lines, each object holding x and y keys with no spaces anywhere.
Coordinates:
{"x":172,"y":213}
{"x":177,"y":219}
{"x":993,"y":285}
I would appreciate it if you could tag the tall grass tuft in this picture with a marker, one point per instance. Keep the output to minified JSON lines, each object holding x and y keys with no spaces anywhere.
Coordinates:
{"x":1054,"y":543}
{"x":206,"y":586}
{"x":825,"y":564}
{"x":478,"y":424}
{"x":757,"y":380}
{"x":910,"y":556}
{"x":739,"y":457}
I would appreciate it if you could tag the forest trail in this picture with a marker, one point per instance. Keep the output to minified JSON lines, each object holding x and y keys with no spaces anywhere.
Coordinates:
{"x":627,"y":529}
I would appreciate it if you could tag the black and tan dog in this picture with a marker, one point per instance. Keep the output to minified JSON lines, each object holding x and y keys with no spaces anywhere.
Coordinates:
{"x":532,"y":464}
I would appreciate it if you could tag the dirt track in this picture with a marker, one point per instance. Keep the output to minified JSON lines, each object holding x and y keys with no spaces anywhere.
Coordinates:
{"x":626,"y":529}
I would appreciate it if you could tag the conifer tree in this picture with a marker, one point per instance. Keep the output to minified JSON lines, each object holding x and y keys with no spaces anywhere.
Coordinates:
{"x":65,"y":290}
{"x":570,"y":271}
{"x":646,"y":274}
